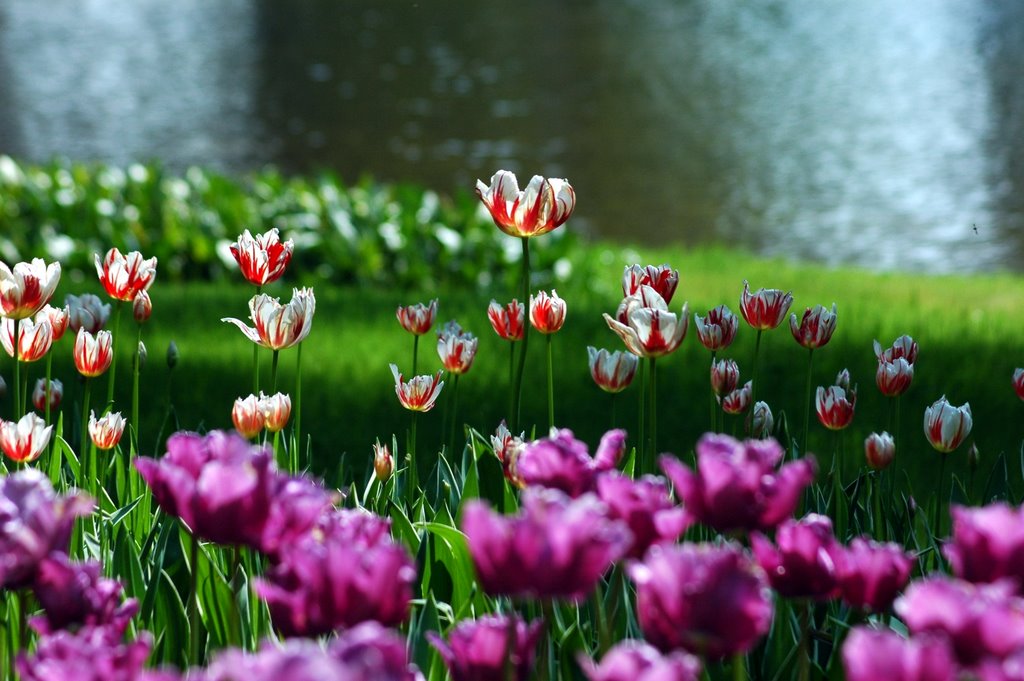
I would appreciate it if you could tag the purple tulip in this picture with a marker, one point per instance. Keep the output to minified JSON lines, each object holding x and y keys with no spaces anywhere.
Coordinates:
{"x":477,"y":650}
{"x":91,"y":654}
{"x":297,"y":505}
{"x":34,"y":522}
{"x":804,"y":564}
{"x":77,"y":594}
{"x":367,"y":652}
{"x":710,"y":600}
{"x":872,"y":574}
{"x":638,"y":661}
{"x":987,"y":544}
{"x":872,"y":655}
{"x":556,"y":547}
{"x":738,"y":485}
{"x":217,"y":484}
{"x":562,"y":462}
{"x":1009,"y":669}
{"x":644,"y":505}
{"x":339,"y":578}
{"x":979,"y":620}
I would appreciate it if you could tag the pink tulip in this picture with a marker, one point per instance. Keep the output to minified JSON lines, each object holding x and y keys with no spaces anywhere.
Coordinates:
{"x":987,"y":544}
{"x":766,"y":308}
{"x":804,"y":562}
{"x":873,"y":655}
{"x":544,"y":205}
{"x":871,"y":575}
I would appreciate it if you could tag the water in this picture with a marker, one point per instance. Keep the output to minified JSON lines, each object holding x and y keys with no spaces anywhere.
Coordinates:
{"x":883,"y":134}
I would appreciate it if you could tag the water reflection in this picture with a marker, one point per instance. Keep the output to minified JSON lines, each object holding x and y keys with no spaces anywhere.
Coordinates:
{"x":870,"y":132}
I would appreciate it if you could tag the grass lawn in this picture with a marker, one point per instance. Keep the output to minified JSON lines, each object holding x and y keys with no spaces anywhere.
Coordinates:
{"x":968,"y":328}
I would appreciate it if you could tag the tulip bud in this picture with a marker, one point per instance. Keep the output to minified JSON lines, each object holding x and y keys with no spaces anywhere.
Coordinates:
{"x":276,"y":409}
{"x":973,"y":457}
{"x":142,"y":307}
{"x":247,"y":416}
{"x":879,"y":450}
{"x":172,"y":355}
{"x":725,"y":375}
{"x":143,"y":355}
{"x":383,"y":464}
{"x":106,"y":431}
{"x":3,"y":388}
{"x":843,"y":380}
{"x":760,"y":421}
{"x":911,"y":508}
{"x":39,"y":394}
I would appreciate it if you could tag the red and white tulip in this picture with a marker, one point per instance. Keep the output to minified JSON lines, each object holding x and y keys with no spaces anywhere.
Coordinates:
{"x":904,"y":347}
{"x":544,"y":205}
{"x":276,"y":410}
{"x":815,"y":328}
{"x":766,"y":308}
{"x":247,"y":416}
{"x":547,"y":312}
{"x":39,"y":394}
{"x":262,"y":258}
{"x":417,"y":319}
{"x":93,"y":354}
{"x":508,"y":320}
{"x":418,"y":393}
{"x":947,"y":426}
{"x":124,"y":276}
{"x":893,"y":378}
{"x":725,"y":376}
{"x":1018,"y":382}
{"x":457,"y":351}
{"x":58,"y":318}
{"x":879,"y":450}
{"x":612,"y":371}
{"x":27,"y":287}
{"x":662,"y":278}
{"x":279,"y":326}
{"x":26,"y":439}
{"x":738,"y":400}
{"x":34,"y":338}
{"x":651,"y":330}
{"x":717,"y":330}
{"x":106,"y":431}
{"x":835,"y":406}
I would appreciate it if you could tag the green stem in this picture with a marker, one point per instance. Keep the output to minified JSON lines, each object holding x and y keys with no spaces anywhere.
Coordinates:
{"x":551,"y":385}
{"x":714,"y":402}
{"x":83,"y":450}
{"x":614,"y":409}
{"x":49,"y":372}
{"x":511,"y":380}
{"x":113,"y":354}
{"x":753,"y":376}
{"x":454,"y":415}
{"x":273,"y":371}
{"x":936,"y":527}
{"x":739,"y":668}
{"x":652,"y":386}
{"x":547,"y":642}
{"x":136,"y":369}
{"x":521,"y":367}
{"x":256,"y":359}
{"x":298,"y":407}
{"x":805,"y":636}
{"x":807,"y":412}
{"x":604,"y":635}
{"x":193,"y":602}
{"x":18,"y":406}
{"x":412,"y":474}
{"x":876,"y":493}
{"x":415,"y":352}
{"x":641,"y":443}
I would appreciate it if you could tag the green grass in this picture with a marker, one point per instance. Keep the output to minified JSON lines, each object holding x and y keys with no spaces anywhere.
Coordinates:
{"x":968,"y":329}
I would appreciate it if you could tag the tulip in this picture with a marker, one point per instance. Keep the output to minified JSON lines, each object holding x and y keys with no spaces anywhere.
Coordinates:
{"x":765,"y":309}
{"x":248,"y":417}
{"x":337,"y":579}
{"x":276,"y":409}
{"x":124,"y":276}
{"x":835,"y":406}
{"x":1018,"y":382}
{"x":893,"y":378}
{"x":279,"y":326}
{"x":556,"y":547}
{"x":383,"y":463}
{"x":39,"y":394}
{"x":87,"y":312}
{"x":738,"y":400}
{"x":803,"y":565}
{"x":106,"y":431}
{"x":562,"y":462}
{"x":645,"y":506}
{"x":172,"y":355}
{"x":639,"y":661}
{"x":711,"y":601}
{"x":547,"y":313}
{"x":978,"y":620}
{"x":262,"y":258}
{"x":739,"y":485}
{"x":612,"y":371}
{"x":662,"y":279}
{"x":843,"y":380}
{"x":879,"y":450}
{"x":760,"y":422}
{"x":3,"y":388}
{"x":26,"y":288}
{"x":871,"y":575}
{"x":507,"y":321}
{"x":142,"y":307}
{"x":24,"y":440}
{"x":651,"y":330}
{"x":34,"y":338}
{"x":904,"y":347}
{"x":478,"y":650}
{"x":987,"y":544}
{"x":872,"y":654}
{"x":544,"y":205}
{"x":58,"y":317}
{"x":36,"y":523}
{"x":77,"y":594}
{"x":507,"y":448}
{"x":93,"y":355}
{"x":90,"y":654}
{"x":417,"y":319}
{"x":718,"y":329}
{"x":725,"y":375}
{"x":298,"y":508}
{"x":217,"y":484}
{"x":457,"y":351}
{"x":816,"y":327}
{"x":946,"y":426}
{"x":420,"y":392}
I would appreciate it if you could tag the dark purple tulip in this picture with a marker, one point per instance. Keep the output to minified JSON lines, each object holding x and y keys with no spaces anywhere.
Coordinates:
{"x":710,"y":600}
{"x":34,"y":522}
{"x":74,"y":594}
{"x":297,"y":505}
{"x":1010,"y":669}
{"x":979,"y":620}
{"x":367,"y":652}
{"x":738,"y":485}
{"x":804,"y":564}
{"x":871,"y":575}
{"x":638,"y":661}
{"x":562,"y":462}
{"x":873,"y":655}
{"x":556,"y":547}
{"x":987,"y":544}
{"x":336,"y":579}
{"x":91,"y":654}
{"x":644,"y":505}
{"x":218,"y":484}
{"x":476,"y":650}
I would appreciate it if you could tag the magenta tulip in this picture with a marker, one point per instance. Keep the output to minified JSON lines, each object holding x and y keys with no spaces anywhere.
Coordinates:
{"x":645,"y":506}
{"x":987,"y":544}
{"x":638,"y":661}
{"x":874,"y":655}
{"x":478,"y":650}
{"x":871,"y":575}
{"x":803,"y":563}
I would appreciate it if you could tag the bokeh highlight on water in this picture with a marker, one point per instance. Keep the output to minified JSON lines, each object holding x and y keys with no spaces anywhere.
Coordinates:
{"x":889,"y":135}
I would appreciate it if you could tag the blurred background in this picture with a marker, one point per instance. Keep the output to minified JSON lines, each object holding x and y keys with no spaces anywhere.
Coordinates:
{"x":888,"y":135}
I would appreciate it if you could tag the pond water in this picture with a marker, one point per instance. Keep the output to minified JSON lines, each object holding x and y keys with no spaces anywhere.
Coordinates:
{"x":885,"y":134}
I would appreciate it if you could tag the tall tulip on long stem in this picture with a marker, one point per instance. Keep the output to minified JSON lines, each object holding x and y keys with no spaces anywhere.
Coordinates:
{"x":457,"y":349}
{"x":547,"y":315}
{"x":814,"y":330}
{"x":418,"y":394}
{"x":716,"y":331}
{"x":763,"y":310}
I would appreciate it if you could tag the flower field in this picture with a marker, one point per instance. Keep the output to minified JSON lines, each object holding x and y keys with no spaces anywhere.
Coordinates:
{"x":814,"y":479}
